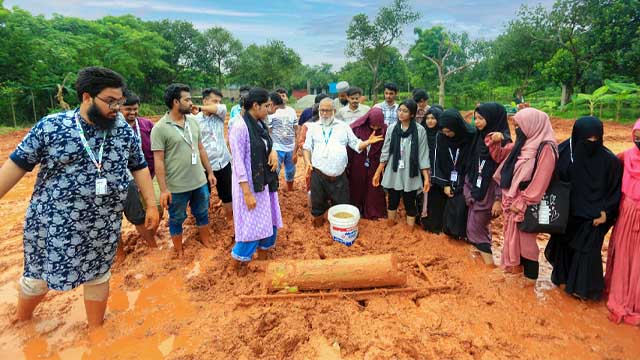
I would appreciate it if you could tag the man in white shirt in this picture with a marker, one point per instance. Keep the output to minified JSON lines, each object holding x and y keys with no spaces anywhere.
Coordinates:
{"x":211,"y":120}
{"x":389,"y":106}
{"x":355,"y":110}
{"x":342,"y":100}
{"x":325,"y":155}
{"x":283,"y":127}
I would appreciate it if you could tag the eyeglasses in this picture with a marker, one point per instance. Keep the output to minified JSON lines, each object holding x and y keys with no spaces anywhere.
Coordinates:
{"x":325,"y":110}
{"x":114,"y":104}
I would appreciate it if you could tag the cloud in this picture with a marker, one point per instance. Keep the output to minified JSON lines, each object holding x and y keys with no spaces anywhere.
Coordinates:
{"x":359,"y":4}
{"x":149,"y":5}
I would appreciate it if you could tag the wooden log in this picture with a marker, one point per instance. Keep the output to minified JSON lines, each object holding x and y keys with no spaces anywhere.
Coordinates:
{"x":347,"y":273}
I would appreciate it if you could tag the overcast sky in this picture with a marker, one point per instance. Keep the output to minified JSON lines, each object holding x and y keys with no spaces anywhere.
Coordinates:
{"x":315,"y":29}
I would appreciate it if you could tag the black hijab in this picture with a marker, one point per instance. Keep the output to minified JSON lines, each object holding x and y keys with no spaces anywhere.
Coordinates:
{"x":447,"y":148}
{"x":594,"y":171}
{"x":261,"y":173}
{"x":453,"y":120}
{"x":496,"y":118}
{"x":432,"y":133}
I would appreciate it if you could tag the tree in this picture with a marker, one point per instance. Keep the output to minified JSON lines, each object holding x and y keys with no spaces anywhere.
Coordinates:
{"x":451,"y":53}
{"x":393,"y":68}
{"x":317,"y":77}
{"x":368,"y":41}
{"x":218,"y":53}
{"x":268,"y":66}
{"x":516,"y":54}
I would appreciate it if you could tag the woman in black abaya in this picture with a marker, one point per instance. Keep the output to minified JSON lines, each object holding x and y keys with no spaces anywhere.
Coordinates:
{"x":595,"y":174}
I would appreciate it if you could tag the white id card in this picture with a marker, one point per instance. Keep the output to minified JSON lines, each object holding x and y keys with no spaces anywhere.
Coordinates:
{"x":544,"y":213}
{"x":401,"y":164}
{"x":101,"y":186}
{"x":194,"y":159}
{"x":479,"y":182}
{"x":454,"y":176}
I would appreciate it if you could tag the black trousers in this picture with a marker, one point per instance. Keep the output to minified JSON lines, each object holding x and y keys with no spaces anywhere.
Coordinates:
{"x":409,"y":199}
{"x":327,"y":191}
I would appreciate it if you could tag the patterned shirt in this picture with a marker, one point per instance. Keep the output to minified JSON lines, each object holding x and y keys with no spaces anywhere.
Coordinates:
{"x":327,"y":145}
{"x":390,"y":112}
{"x":70,"y":233}
{"x":283,"y":124}
{"x":212,"y":128}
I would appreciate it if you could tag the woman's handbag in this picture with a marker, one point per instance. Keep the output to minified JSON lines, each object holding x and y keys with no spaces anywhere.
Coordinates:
{"x":552,"y":213}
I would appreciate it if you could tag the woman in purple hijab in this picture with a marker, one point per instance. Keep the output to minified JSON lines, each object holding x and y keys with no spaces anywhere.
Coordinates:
{"x":368,"y":199}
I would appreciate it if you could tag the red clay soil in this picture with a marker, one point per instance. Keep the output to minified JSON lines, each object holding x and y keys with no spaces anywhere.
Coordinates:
{"x":190,"y":308}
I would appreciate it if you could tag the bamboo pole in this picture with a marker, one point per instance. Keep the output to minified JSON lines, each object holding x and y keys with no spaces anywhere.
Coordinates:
{"x":355,"y":295}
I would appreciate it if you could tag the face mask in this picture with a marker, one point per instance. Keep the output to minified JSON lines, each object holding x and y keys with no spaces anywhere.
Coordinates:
{"x":637,"y":144}
{"x":590,"y":147}
{"x":100,"y":121}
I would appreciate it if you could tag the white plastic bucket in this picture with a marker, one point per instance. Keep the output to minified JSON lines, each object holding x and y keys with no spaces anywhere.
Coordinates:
{"x":344,"y":230}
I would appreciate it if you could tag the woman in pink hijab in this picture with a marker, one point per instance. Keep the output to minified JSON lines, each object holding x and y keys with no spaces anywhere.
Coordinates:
{"x":622,"y":279}
{"x":522,"y":187}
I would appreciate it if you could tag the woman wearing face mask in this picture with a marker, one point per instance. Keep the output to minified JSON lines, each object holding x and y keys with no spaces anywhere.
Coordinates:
{"x":521,"y":186}
{"x":362,"y":167}
{"x":482,"y":195}
{"x":405,"y":146}
{"x":436,"y":200}
{"x":623,"y":265}
{"x":452,"y":155}
{"x":595,"y":175}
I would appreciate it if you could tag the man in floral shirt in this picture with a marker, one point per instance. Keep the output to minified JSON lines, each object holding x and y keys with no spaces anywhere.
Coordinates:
{"x":72,"y":225}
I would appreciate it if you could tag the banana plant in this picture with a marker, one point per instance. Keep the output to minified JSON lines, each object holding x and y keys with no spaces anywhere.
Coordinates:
{"x":594,"y":98}
{"x":622,"y":92}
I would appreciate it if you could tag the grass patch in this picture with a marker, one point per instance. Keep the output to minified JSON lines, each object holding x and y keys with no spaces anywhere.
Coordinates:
{"x":8,"y":129}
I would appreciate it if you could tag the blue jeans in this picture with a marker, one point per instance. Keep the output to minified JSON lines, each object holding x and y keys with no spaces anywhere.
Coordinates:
{"x":244,"y":250}
{"x":198,"y":201}
{"x":286,"y":157}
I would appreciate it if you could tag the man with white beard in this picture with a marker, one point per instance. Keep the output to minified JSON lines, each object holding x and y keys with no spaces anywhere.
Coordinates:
{"x":325,"y":155}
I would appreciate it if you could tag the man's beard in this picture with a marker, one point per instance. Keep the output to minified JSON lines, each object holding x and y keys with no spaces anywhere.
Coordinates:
{"x":100,"y":121}
{"x":326,"y":120}
{"x":344,"y":102}
{"x":185,"y":111}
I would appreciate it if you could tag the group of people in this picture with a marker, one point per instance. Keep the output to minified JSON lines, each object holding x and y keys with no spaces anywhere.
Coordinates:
{"x":103,"y":160}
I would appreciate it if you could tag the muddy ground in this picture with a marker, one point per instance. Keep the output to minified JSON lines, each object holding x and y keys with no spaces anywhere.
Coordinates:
{"x":189,"y":308}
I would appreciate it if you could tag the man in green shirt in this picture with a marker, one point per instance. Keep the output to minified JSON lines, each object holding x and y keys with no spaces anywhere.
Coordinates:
{"x":180,"y":163}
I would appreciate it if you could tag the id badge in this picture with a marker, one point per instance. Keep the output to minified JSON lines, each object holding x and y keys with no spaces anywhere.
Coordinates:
{"x":366,"y":163}
{"x":454,"y":176}
{"x":544,"y":213}
{"x":101,"y":186}
{"x":401,"y":164}
{"x":479,"y":182}
{"x":194,"y":159}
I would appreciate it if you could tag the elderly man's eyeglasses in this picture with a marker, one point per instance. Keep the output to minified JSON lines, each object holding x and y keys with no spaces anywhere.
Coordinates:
{"x":113,"y":104}
{"x":325,"y":110}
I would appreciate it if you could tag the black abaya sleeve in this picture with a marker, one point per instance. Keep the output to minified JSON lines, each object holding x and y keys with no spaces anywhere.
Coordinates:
{"x":614,"y":195}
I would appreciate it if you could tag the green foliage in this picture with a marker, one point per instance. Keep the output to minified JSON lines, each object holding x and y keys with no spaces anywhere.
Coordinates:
{"x":270,"y":65}
{"x":369,"y":41}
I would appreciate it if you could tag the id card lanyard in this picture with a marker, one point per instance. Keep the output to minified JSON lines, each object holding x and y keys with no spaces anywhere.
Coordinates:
{"x":480,"y":167}
{"x":401,"y":162}
{"x":326,"y":139}
{"x":138,"y":133}
{"x":101,"y":183}
{"x":454,"y":172}
{"x":194,"y":157}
